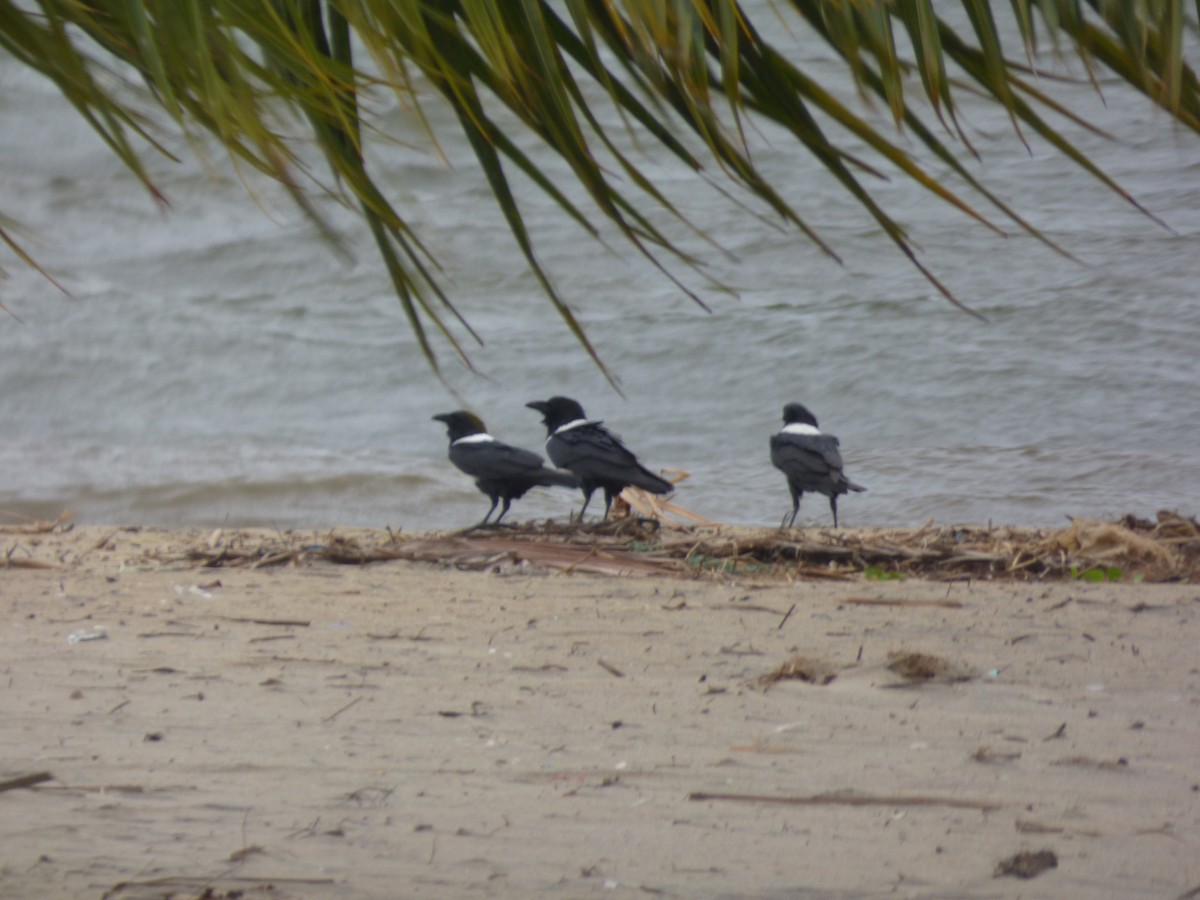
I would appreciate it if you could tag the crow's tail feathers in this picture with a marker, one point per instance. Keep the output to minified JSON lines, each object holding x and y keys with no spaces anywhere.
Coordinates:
{"x":648,"y":481}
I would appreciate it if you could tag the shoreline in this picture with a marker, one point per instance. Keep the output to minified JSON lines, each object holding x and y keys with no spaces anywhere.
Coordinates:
{"x":406,"y":728}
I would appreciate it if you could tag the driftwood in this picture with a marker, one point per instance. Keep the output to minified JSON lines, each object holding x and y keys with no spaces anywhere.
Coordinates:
{"x":887,"y":601}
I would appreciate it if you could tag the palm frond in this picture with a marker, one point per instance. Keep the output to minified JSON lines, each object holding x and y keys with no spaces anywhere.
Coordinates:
{"x":691,"y":79}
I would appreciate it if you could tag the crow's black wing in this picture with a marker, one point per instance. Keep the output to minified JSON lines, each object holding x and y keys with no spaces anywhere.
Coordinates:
{"x":810,"y":461}
{"x":494,"y":459}
{"x":597,"y":455}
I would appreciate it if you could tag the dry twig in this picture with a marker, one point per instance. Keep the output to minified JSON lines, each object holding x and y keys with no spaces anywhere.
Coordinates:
{"x":24,"y":781}
{"x":850,"y":799}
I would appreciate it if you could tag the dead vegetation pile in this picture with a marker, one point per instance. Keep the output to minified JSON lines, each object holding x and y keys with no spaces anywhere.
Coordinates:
{"x":1167,"y":549}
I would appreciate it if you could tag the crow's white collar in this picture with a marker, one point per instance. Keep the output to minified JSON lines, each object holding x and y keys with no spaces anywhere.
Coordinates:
{"x":482,"y":438}
{"x":800,"y":428}
{"x":574,"y":423}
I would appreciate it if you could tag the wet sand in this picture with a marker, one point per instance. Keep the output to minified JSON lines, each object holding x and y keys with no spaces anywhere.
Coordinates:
{"x":406,"y":729}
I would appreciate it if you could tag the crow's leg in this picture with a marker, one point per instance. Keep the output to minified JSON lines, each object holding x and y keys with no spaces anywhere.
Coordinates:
{"x":795,"y":507}
{"x":491,"y":509}
{"x":608,"y":499}
{"x":587,"y":498}
{"x":507,"y":503}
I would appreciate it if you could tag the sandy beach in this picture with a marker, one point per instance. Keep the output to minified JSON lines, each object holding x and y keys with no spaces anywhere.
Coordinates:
{"x":413,"y":729}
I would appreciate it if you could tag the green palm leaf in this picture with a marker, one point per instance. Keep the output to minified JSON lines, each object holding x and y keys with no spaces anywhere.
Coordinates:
{"x":687,"y":78}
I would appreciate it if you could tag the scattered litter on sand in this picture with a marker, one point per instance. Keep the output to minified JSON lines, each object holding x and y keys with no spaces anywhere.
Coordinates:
{"x":1027,"y":864}
{"x":809,"y":669}
{"x":917,"y":668}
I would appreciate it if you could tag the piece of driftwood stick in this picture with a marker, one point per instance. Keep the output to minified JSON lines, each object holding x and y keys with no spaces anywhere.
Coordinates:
{"x":751,"y":607}
{"x":102,"y":543}
{"x":24,"y":781}
{"x":275,"y":559}
{"x":1025,"y":826}
{"x":851,"y":800}
{"x":22,"y":562}
{"x":169,"y":885}
{"x":159,"y":634}
{"x":814,"y":572}
{"x":610,"y":669}
{"x":97,"y":789}
{"x":334,"y":715}
{"x":33,"y":526}
{"x":882,"y":601}
{"x":299,"y":623}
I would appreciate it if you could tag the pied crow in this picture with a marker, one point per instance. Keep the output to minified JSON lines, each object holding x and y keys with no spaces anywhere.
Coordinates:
{"x":502,"y":472}
{"x":592,"y":452}
{"x":810,"y":460}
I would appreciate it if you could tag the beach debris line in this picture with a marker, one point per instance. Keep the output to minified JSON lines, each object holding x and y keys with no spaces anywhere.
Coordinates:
{"x":1167,"y":549}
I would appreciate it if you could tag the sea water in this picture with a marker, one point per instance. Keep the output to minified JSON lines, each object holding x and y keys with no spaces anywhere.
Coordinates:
{"x":218,"y":362}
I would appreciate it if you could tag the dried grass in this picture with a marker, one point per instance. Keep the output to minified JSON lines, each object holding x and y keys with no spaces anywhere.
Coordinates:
{"x":916,"y":668}
{"x":809,"y":669}
{"x":1027,"y":864}
{"x":1167,"y":549}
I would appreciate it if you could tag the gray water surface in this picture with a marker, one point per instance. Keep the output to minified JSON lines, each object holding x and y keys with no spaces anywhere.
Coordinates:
{"x":218,"y":363}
